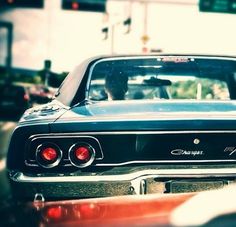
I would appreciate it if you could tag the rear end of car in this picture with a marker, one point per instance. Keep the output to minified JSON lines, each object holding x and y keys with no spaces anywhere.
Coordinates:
{"x":98,"y":158}
{"x":176,"y":135}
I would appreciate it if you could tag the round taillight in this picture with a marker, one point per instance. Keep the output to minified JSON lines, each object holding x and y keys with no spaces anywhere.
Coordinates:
{"x":81,"y":155}
{"x":48,"y":155}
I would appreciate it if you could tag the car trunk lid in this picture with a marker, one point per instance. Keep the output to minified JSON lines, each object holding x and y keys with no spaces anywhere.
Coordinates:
{"x":155,"y":132}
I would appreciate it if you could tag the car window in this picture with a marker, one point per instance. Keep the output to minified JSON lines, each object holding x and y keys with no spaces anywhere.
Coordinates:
{"x":163,"y":78}
{"x":67,"y":92}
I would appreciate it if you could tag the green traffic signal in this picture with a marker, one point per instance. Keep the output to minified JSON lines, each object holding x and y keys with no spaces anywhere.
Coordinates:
{"x":217,"y":6}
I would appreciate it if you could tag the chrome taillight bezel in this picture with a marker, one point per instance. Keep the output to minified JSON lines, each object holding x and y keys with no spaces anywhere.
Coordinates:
{"x":47,"y":164}
{"x":74,"y":161}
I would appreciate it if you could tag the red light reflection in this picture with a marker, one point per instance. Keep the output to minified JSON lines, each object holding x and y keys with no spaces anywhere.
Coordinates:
{"x":55,"y":213}
{"x":87,"y":211}
{"x":118,"y":211}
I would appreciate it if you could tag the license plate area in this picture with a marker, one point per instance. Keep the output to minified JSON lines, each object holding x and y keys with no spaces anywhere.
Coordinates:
{"x":183,"y":186}
{"x":156,"y":185}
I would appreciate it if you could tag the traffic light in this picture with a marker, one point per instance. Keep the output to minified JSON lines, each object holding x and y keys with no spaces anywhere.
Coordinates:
{"x":217,"y":6}
{"x":22,"y":3}
{"x":85,"y":5}
{"x":127,"y":23}
{"x":105,"y":31}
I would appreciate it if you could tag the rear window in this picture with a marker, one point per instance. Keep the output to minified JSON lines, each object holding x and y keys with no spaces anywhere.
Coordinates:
{"x":163,"y":78}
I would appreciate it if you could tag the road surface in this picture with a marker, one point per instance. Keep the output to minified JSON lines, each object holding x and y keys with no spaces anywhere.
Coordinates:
{"x":6,"y":129}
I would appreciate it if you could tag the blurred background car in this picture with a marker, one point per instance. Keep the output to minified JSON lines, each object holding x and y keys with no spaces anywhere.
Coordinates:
{"x":14,"y":99}
{"x":40,"y":94}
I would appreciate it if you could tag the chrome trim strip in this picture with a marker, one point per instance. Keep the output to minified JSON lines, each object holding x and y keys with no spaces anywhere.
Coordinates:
{"x":36,"y":165}
{"x":82,"y":165}
{"x":149,"y":162}
{"x":49,"y":165}
{"x":157,"y":173}
{"x":66,"y":135}
{"x":164,"y":161}
{"x":150,"y":119}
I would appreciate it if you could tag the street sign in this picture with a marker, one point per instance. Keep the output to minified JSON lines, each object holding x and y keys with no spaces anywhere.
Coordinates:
{"x":217,"y":6}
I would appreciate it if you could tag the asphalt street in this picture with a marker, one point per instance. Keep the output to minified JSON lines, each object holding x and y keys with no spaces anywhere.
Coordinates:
{"x":6,"y":129}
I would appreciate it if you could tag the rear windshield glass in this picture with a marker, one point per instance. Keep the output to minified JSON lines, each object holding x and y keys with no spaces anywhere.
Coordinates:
{"x":163,"y":78}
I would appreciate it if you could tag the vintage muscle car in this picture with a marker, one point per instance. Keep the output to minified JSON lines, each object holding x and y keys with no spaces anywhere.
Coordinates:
{"x":125,"y":125}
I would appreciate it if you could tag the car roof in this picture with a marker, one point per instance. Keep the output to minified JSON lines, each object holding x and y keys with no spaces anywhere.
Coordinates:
{"x":207,"y":56}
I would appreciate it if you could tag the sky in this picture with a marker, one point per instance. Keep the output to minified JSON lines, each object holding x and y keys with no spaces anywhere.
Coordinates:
{"x":68,"y":37}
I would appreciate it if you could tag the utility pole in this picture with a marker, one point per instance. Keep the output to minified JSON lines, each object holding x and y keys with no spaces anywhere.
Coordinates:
{"x":9,"y":27}
{"x":145,"y":37}
{"x":109,"y":31}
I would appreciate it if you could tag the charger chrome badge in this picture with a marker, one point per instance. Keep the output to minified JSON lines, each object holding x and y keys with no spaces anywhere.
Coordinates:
{"x":187,"y":152}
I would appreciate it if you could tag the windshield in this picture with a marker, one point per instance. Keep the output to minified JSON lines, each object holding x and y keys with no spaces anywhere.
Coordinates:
{"x":162,"y":78}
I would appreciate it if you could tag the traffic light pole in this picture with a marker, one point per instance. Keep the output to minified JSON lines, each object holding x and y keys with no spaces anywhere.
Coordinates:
{"x":9,"y":48}
{"x":113,"y":38}
{"x":9,"y":27}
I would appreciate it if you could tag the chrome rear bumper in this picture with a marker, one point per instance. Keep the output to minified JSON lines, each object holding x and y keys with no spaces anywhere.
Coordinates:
{"x":147,"y":181}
